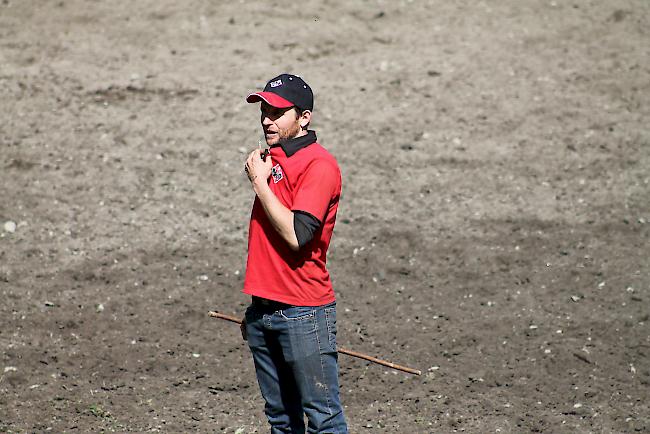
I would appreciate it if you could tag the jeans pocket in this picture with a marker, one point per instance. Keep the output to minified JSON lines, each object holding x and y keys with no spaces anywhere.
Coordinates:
{"x":330,"y":319}
{"x":298,"y":313}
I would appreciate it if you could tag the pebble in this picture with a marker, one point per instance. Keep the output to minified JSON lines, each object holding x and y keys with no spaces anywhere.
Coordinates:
{"x":9,"y":226}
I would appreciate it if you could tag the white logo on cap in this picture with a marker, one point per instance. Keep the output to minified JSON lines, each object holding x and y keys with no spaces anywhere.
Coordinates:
{"x":276,"y":83}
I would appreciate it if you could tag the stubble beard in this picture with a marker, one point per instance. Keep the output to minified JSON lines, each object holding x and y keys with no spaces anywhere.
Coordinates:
{"x":284,"y":134}
{"x":289,"y":133}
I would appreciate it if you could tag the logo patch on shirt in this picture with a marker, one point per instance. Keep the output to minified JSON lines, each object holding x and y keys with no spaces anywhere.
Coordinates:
{"x":276,"y":173}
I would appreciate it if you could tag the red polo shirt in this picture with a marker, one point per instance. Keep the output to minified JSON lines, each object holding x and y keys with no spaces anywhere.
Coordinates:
{"x":308,"y":179}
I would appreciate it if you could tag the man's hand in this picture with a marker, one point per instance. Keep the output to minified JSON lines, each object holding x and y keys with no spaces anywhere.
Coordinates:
{"x":256,"y":168}
{"x":280,"y":216}
{"x":242,"y":327}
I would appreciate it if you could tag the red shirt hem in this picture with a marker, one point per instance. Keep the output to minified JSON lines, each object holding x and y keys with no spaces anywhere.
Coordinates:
{"x":283,"y":298}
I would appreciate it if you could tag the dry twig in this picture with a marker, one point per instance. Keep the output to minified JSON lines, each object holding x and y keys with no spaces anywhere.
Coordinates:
{"x":340,"y":350}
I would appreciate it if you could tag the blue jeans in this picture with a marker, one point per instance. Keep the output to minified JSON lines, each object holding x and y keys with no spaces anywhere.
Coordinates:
{"x":294,"y":350}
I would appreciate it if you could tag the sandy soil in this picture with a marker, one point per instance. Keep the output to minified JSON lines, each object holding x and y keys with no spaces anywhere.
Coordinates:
{"x":494,"y":228}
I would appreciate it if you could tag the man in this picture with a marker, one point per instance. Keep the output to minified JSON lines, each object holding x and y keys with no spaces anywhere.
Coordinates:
{"x":291,"y":322}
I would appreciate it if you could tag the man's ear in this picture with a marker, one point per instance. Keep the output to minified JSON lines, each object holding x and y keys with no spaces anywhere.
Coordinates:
{"x":305,"y":118}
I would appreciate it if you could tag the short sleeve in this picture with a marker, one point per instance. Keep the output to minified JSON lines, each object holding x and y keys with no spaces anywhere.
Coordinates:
{"x":320,"y":183}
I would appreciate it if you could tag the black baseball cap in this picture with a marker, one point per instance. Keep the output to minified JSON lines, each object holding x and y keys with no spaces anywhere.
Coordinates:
{"x":285,"y":90}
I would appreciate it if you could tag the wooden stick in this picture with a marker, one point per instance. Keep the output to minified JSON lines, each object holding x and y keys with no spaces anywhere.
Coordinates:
{"x":340,"y":350}
{"x":380,"y":361}
{"x":224,"y":316}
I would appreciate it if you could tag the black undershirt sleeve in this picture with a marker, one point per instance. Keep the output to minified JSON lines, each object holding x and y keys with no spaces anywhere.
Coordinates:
{"x":305,"y":225}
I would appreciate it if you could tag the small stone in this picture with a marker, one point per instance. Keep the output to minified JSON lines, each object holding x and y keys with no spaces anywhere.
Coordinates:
{"x":10,"y":369}
{"x":10,"y":226}
{"x":575,"y":298}
{"x":99,"y":308}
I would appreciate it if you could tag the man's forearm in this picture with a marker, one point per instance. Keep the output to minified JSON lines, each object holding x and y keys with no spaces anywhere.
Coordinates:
{"x":281,"y":217}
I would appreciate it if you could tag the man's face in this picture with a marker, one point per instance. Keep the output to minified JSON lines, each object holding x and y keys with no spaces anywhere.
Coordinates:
{"x":279,"y":124}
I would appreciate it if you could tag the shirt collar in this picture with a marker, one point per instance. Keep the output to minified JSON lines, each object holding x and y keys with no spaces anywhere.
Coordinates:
{"x":294,"y":145}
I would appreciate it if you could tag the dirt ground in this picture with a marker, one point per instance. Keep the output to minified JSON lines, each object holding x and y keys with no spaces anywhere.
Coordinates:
{"x":494,"y":227}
